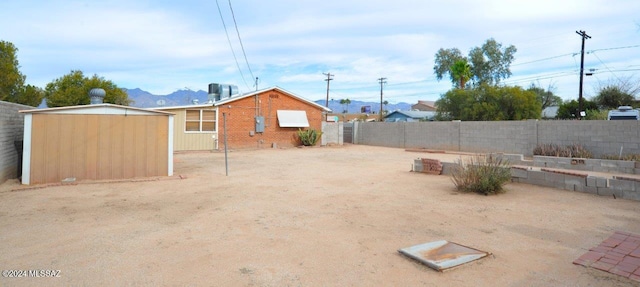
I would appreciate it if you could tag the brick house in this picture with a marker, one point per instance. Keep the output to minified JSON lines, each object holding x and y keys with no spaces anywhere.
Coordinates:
{"x":261,"y":119}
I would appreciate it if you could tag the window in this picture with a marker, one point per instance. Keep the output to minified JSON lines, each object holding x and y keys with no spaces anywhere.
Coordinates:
{"x":200,"y":121}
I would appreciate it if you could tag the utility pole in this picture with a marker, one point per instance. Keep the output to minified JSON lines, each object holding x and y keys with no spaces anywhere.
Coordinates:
{"x":382,"y":82}
{"x":328,"y":79}
{"x":256,"y":84}
{"x":584,"y":37}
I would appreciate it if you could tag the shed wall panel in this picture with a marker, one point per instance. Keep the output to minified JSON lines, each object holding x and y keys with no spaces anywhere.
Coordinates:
{"x":98,"y":147}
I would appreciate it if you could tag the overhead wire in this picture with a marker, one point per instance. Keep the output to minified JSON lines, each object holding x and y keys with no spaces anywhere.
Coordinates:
{"x":231,"y":46}
{"x":240,"y":39}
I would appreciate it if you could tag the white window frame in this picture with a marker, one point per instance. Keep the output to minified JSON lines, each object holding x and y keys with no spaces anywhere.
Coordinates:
{"x":200,"y":121}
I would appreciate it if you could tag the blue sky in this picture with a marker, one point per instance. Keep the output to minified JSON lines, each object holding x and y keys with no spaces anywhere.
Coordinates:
{"x":163,"y":46}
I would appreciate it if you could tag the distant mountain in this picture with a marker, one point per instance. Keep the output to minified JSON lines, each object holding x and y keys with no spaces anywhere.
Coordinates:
{"x":356,"y":106}
{"x":144,"y":99}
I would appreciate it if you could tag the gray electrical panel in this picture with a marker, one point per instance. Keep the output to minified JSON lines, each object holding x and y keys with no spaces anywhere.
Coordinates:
{"x":260,"y":124}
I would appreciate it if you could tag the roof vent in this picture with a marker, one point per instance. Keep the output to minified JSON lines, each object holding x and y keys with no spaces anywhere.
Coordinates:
{"x":97,"y":96}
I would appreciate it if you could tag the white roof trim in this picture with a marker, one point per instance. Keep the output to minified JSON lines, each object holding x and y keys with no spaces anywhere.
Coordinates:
{"x":198,"y":106}
{"x":292,"y":119}
{"x":100,"y":109}
{"x":234,"y":98}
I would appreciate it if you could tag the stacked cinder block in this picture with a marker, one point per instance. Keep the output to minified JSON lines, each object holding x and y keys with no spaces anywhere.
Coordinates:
{"x":618,"y":186}
{"x":11,"y":131}
{"x":587,"y":164}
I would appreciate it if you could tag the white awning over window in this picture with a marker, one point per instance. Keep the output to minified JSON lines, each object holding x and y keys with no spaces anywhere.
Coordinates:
{"x":292,"y":119}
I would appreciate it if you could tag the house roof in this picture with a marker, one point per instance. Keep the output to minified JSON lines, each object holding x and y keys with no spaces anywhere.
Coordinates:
{"x":424,"y":106}
{"x":208,"y":105}
{"x":276,"y":88}
{"x":413,"y":114}
{"x":98,"y":109}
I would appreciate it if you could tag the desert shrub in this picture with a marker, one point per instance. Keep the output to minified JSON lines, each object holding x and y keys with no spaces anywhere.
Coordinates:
{"x":577,"y":150}
{"x":309,"y":137}
{"x":481,"y":174}
{"x":574,"y":150}
{"x":629,"y":157}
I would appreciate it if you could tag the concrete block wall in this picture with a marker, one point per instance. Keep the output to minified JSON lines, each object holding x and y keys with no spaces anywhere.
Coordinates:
{"x":513,"y":137}
{"x":381,"y":134}
{"x":11,"y":130}
{"x":506,"y":136}
{"x":332,"y":133}
{"x":599,"y":137}
{"x":432,"y":135}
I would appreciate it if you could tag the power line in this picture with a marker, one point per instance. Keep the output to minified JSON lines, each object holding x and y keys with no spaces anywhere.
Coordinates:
{"x":584,"y":37}
{"x":231,"y":46}
{"x":328,"y":79}
{"x":382,"y":82}
{"x":240,"y":39}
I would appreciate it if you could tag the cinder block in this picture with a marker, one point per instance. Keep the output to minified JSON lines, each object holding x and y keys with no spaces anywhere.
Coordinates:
{"x":554,"y":177}
{"x":536,"y":175}
{"x":619,"y":184}
{"x":520,"y":173}
{"x":633,"y":195}
{"x":570,"y":187}
{"x":590,"y":189}
{"x":602,"y":182}
{"x":575,"y":180}
{"x":591,"y":181}
{"x":605,"y":191}
{"x":417,"y":165}
{"x":449,"y":167}
{"x":626,"y":164}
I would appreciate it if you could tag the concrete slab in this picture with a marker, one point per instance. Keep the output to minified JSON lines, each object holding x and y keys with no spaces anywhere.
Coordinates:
{"x":442,"y":255}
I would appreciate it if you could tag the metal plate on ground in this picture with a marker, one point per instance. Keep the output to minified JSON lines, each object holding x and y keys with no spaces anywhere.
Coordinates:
{"x":442,"y":255}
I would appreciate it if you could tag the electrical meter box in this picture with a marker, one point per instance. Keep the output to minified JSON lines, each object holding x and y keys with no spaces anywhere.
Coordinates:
{"x":260,"y":124}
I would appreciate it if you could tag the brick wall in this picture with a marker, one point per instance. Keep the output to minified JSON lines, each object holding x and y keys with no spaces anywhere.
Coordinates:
{"x":518,"y":137}
{"x":11,"y":130}
{"x":241,"y":124}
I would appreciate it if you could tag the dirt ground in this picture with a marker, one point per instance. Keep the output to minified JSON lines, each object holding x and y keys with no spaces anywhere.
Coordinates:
{"x":324,"y":216}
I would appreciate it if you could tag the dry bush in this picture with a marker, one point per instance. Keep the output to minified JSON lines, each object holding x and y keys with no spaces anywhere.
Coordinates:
{"x":481,"y":174}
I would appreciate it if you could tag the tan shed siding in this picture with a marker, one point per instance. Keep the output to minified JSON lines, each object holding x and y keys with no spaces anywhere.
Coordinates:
{"x":183,"y":141}
{"x":97,"y":147}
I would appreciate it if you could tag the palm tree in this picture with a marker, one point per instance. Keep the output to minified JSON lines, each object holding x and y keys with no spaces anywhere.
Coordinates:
{"x":345,"y":102}
{"x":461,"y":73}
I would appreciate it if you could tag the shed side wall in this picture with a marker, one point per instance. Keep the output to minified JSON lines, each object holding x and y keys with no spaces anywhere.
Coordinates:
{"x":97,"y":147}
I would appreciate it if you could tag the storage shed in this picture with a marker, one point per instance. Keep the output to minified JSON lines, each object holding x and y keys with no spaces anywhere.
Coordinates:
{"x":96,"y":142}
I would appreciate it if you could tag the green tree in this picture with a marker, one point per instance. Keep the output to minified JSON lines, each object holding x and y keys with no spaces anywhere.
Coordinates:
{"x":73,"y":89}
{"x":488,"y":103}
{"x":30,"y":95}
{"x":444,"y":60}
{"x":546,"y":98}
{"x":611,"y":97}
{"x":489,"y":63}
{"x":11,"y":80}
{"x":569,"y":110}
